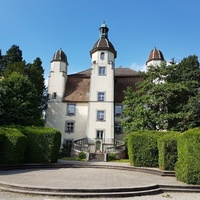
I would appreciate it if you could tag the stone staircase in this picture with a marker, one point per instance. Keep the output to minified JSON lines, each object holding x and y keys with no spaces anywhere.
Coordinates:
{"x":96,"y":157}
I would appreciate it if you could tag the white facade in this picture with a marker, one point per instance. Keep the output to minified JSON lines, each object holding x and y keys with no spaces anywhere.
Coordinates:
{"x":88,"y":104}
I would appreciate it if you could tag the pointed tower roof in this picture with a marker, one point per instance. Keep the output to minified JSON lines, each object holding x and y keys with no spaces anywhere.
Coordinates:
{"x":103,"y":43}
{"x":60,"y":56}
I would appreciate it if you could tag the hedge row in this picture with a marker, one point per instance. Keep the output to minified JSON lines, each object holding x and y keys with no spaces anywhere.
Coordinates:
{"x":169,"y":151}
{"x":188,"y":166}
{"x":28,"y":144}
{"x":152,"y":149}
{"x":12,"y":151}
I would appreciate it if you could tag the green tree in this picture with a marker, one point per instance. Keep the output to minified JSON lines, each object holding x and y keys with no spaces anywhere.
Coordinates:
{"x":35,"y":73}
{"x":19,"y":101}
{"x":164,"y":99}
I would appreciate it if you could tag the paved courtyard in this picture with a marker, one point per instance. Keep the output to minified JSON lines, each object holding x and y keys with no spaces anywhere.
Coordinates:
{"x":87,"y":178}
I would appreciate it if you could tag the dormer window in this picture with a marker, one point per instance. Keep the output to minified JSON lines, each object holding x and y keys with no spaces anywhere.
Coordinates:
{"x":102,"y":56}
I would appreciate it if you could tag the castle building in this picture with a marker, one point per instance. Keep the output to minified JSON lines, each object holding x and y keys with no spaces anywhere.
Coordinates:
{"x":88,"y":105}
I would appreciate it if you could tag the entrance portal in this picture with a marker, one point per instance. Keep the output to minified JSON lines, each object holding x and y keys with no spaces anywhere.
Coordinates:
{"x":98,"y":146}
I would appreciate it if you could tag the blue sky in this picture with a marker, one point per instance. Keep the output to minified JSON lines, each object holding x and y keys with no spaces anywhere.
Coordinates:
{"x":41,"y":27}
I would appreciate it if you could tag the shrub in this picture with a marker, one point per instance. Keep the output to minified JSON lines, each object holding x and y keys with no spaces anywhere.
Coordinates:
{"x":187,"y":167}
{"x":142,"y":148}
{"x":65,"y":150}
{"x":111,"y":156}
{"x":82,"y":155}
{"x":43,"y":144}
{"x":167,"y":148}
{"x":13,"y":147}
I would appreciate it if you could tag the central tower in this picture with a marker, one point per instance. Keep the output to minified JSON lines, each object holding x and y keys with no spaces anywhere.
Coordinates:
{"x":100,"y":127}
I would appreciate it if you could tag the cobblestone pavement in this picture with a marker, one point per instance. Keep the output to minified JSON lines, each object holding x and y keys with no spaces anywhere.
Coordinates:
{"x":164,"y":196}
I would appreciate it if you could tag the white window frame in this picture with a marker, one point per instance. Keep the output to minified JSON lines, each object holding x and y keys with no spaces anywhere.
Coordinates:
{"x":102,"y":71}
{"x":101,"y":115}
{"x":69,"y":126}
{"x":102,"y":55}
{"x":99,"y":134}
{"x":101,"y":96}
{"x":71,"y":109}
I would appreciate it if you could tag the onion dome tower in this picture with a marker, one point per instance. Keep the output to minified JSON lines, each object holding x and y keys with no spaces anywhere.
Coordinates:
{"x":103,"y":43}
{"x":60,"y":56}
{"x":155,"y":58}
{"x":100,"y":126}
{"x":58,"y":75}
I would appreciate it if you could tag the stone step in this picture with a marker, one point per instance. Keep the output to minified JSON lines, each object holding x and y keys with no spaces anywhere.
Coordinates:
{"x":96,"y":157}
{"x":112,"y":192}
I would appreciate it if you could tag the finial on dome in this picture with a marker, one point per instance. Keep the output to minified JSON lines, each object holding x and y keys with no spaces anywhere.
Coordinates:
{"x":104,"y":30}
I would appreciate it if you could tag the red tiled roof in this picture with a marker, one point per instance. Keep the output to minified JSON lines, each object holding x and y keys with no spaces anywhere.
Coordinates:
{"x":78,"y":85}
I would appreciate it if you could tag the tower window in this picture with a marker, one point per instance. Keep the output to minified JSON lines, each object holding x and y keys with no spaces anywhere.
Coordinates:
{"x":102,"y":71}
{"x":54,"y":95}
{"x":69,"y":126}
{"x":100,"y":134}
{"x":101,"y":96}
{"x":71,"y":109}
{"x":100,"y":115}
{"x":102,"y":56}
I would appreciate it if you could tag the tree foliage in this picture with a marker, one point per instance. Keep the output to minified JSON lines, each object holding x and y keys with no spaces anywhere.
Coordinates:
{"x":167,"y":98}
{"x":19,"y":102}
{"x":34,"y":72}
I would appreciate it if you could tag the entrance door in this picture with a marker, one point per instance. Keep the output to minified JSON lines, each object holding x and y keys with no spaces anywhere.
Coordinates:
{"x":98,"y":146}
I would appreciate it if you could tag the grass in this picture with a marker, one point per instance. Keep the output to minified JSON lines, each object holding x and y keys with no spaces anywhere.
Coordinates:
{"x":75,"y":159}
{"x":121,"y":160}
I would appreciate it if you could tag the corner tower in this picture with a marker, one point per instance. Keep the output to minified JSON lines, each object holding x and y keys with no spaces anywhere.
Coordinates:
{"x":155,"y":58}
{"x":58,"y":75}
{"x":100,"y":127}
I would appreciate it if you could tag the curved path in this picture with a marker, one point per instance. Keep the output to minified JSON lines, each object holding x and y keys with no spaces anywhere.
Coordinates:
{"x":86,"y":179}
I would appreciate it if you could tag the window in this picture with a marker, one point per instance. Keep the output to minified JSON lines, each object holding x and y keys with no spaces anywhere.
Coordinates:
{"x":100,"y":115}
{"x":54,"y":95}
{"x":102,"y":56}
{"x":69,"y":126}
{"x":102,"y":71}
{"x":71,"y":109}
{"x":100,"y":134}
{"x":118,"y":128}
{"x":118,"y":110}
{"x":101,"y":96}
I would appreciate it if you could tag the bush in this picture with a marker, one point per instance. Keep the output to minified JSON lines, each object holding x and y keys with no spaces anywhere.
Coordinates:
{"x":65,"y":151}
{"x":111,"y":156}
{"x":82,"y":155}
{"x":13,"y":147}
{"x":43,"y":144}
{"x":142,"y":148}
{"x":187,"y":167}
{"x":167,"y":148}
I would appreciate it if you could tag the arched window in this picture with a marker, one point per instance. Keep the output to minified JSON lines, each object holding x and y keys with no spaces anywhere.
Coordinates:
{"x":102,"y":56}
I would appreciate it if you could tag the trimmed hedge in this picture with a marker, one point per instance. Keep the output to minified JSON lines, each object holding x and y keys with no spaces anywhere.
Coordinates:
{"x":142,"y":148}
{"x":187,"y":167}
{"x":167,"y":151}
{"x":43,"y":144}
{"x":13,"y":147}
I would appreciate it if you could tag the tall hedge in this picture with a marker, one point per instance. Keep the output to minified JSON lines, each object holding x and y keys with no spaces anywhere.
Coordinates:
{"x":187,"y":167}
{"x":43,"y":144}
{"x":12,"y":151}
{"x":167,"y":151}
{"x":142,"y":148}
